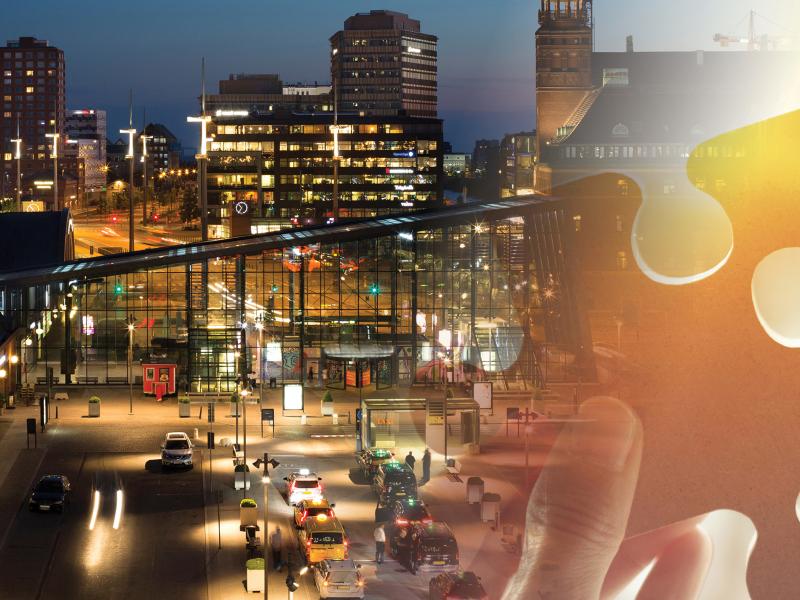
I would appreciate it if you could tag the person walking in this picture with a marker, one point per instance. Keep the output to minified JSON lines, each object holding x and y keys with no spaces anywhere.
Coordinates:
{"x":276,"y":542}
{"x":380,"y":543}
{"x":426,"y":467}
{"x":410,"y":460}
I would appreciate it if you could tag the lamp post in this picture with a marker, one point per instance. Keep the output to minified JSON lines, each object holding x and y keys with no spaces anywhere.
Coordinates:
{"x":54,"y":155}
{"x":244,"y":393}
{"x":18,"y":157}
{"x":202,"y":157}
{"x":130,"y":132}
{"x":131,"y":329}
{"x":144,"y":139}
{"x":260,"y":328}
{"x":267,"y":462}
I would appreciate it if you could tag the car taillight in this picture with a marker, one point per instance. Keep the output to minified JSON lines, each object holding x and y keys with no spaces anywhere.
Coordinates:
{"x":346,"y":543}
{"x":324,"y":584}
{"x":360,"y":582}
{"x":427,"y":521}
{"x":308,"y":543}
{"x":402,"y":522}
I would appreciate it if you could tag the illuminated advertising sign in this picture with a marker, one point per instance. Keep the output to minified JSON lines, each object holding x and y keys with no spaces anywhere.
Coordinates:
{"x":400,"y":171}
{"x":293,"y":396}
{"x":404,"y":188}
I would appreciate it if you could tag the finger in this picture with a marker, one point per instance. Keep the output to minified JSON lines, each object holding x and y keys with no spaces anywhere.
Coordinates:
{"x":680,"y":570}
{"x":579,"y":507}
{"x":636,"y":553}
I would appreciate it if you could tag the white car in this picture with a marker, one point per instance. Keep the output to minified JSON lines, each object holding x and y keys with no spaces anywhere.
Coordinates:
{"x":339,"y":579}
{"x":176,"y":451}
{"x":303,"y":485}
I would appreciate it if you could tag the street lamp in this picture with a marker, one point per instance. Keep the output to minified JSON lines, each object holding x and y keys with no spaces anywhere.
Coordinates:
{"x":18,"y":157}
{"x":130,"y":131}
{"x":260,"y":329}
{"x":244,"y":393}
{"x":131,"y":328}
{"x":54,"y":155}
{"x":144,"y":139}
{"x":267,"y":462}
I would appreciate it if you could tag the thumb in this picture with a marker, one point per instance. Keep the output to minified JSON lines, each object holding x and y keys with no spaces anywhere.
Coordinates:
{"x":579,"y":507}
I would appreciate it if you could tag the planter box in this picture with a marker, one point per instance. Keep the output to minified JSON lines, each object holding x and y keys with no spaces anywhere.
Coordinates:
{"x":235,"y":409}
{"x":248,"y":515}
{"x":327,"y":409}
{"x":255,"y":575}
{"x":184,"y":409}
{"x":94,"y":409}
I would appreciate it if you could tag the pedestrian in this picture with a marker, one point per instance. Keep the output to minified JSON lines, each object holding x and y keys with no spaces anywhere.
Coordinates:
{"x":380,"y":543}
{"x":277,"y":548}
{"x":426,"y":466}
{"x":410,"y":460}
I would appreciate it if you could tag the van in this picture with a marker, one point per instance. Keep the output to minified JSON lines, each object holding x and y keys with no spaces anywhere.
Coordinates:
{"x":323,"y":538}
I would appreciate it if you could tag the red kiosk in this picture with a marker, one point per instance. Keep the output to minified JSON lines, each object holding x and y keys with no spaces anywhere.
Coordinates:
{"x":159,"y":379}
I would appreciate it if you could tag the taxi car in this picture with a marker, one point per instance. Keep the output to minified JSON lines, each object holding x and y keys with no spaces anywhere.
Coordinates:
{"x":457,"y":586}
{"x":370,"y":459}
{"x":428,"y":547}
{"x":394,"y":480}
{"x":303,"y":485}
{"x":308,"y":509}
{"x":339,"y":579}
{"x":323,"y":538}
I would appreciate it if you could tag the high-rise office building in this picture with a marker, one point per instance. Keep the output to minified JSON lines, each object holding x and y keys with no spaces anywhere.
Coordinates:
{"x":32,"y":94}
{"x":86,"y":132}
{"x":264,"y":94}
{"x":163,"y":148}
{"x":382,"y":64}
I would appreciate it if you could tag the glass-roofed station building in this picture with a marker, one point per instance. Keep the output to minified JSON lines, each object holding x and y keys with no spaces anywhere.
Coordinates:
{"x":473,"y":290}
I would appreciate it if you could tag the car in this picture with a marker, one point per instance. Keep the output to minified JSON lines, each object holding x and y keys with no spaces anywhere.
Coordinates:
{"x":456,"y":586}
{"x":339,"y":579}
{"x":308,"y":509}
{"x":409,"y":511}
{"x":323,"y":538}
{"x":50,"y":493}
{"x":303,"y":485}
{"x":370,"y":459}
{"x":394,"y":480}
{"x":428,"y":547}
{"x":176,"y":451}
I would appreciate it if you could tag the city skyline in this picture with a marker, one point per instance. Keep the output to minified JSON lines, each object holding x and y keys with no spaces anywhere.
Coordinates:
{"x":486,"y":45}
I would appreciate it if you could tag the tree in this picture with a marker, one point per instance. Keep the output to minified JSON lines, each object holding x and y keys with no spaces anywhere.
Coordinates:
{"x":189,"y":208}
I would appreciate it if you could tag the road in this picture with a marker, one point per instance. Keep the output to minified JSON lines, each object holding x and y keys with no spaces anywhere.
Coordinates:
{"x":152,"y":554}
{"x":95,"y":232}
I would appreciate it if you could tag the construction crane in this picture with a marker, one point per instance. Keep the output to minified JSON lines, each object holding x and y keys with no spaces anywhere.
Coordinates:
{"x":753,"y":40}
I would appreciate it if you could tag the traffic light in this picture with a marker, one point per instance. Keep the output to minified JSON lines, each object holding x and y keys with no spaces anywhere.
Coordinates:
{"x":155,"y":218}
{"x":291,"y":584}
{"x":113,"y":218}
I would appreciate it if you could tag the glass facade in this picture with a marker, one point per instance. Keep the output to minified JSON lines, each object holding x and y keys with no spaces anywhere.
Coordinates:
{"x":473,"y":300}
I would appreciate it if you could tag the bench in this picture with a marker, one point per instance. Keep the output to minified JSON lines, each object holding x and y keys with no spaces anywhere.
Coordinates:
{"x":454,"y":468}
{"x":87,"y":380}
{"x":43,"y":380}
{"x":61,"y":396}
{"x":112,"y":379}
{"x":238,"y":454}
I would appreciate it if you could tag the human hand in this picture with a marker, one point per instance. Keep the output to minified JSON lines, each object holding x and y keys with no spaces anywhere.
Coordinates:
{"x":574,"y":546}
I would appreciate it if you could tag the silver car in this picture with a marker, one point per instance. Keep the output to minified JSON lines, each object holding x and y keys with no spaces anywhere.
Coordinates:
{"x":339,"y":579}
{"x":176,"y":451}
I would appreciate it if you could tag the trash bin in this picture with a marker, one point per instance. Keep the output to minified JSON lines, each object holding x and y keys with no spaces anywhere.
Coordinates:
{"x":273,"y":383}
{"x":490,"y":508}
{"x":474,"y":490}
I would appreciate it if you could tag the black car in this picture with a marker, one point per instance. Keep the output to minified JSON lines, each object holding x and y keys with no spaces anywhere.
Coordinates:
{"x":456,"y":586}
{"x":428,"y":547}
{"x":407,"y":512}
{"x":394,"y":481}
{"x":50,"y":494}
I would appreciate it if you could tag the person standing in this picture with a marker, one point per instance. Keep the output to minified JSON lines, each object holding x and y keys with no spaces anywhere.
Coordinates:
{"x":410,"y":460}
{"x":380,"y":543}
{"x":426,"y":466}
{"x":276,"y":542}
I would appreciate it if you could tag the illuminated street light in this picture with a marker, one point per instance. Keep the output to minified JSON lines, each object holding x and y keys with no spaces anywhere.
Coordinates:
{"x":267,"y":462}
{"x":130,"y":132}
{"x":54,"y":155}
{"x":131,"y":323}
{"x":18,"y":157}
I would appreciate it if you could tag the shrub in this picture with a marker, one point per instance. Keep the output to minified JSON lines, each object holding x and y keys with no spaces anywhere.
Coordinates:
{"x":240,"y":468}
{"x":184,"y":400}
{"x":94,"y":400}
{"x":255,"y":564}
{"x":248,"y":503}
{"x":327,"y":397}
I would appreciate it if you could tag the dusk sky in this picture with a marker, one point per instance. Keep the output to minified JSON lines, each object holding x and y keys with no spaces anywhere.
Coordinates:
{"x":486,"y":48}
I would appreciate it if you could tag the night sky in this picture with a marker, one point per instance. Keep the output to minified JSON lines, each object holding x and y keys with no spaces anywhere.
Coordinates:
{"x":486,"y":48}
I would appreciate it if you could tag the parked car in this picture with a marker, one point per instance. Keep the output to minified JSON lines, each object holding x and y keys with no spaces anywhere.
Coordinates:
{"x":308,"y":509}
{"x":394,"y":480}
{"x":406,"y":512}
{"x":176,"y":451}
{"x":430,"y":547}
{"x":51,"y":492}
{"x":370,"y":459}
{"x":323,"y":538}
{"x":456,"y":586}
{"x":303,"y":485}
{"x":339,"y":579}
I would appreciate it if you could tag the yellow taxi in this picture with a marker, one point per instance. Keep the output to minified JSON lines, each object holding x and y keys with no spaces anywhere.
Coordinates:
{"x":308,"y":509}
{"x":323,"y":538}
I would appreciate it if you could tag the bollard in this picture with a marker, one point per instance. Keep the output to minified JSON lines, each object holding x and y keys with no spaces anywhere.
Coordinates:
{"x":335,"y":419}
{"x":303,"y":420}
{"x":56,"y":411}
{"x":196,"y":434}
